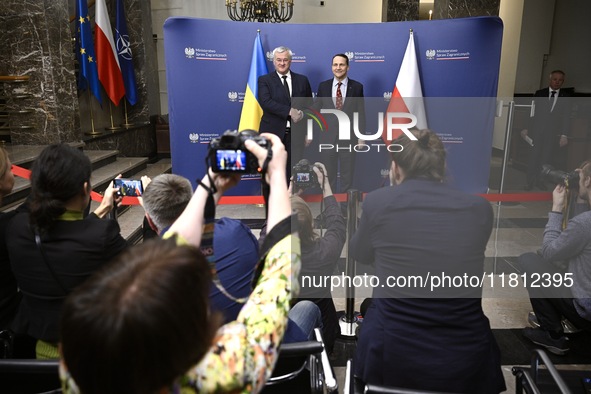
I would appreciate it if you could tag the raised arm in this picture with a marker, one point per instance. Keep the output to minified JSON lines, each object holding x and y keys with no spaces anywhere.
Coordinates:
{"x":189,"y":226}
{"x":245,"y":351}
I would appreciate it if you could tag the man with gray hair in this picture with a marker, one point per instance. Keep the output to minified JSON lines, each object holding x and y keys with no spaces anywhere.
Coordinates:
{"x":236,"y":247}
{"x":283,"y":95}
{"x":164,"y":199}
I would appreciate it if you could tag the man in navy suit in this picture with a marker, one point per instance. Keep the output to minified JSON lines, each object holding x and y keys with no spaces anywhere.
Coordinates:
{"x":344,"y":94}
{"x":282,"y":95}
{"x":549,"y":128}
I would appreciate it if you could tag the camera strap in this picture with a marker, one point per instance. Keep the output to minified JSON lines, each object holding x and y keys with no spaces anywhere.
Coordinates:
{"x":46,"y":261}
{"x":206,"y":245}
{"x":264,"y":185}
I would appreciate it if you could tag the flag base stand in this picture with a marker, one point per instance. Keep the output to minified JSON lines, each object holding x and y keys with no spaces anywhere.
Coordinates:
{"x":93,"y":132}
{"x":112,"y":128}
{"x":127,"y":125}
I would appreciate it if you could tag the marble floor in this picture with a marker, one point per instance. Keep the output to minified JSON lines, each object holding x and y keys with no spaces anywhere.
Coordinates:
{"x":518,"y":229}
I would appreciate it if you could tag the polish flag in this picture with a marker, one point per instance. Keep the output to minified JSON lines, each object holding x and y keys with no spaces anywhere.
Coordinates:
{"x":407,"y":95}
{"x":109,"y":71}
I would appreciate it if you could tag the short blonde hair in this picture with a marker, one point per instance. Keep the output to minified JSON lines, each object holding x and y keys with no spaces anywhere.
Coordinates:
{"x":4,"y":167}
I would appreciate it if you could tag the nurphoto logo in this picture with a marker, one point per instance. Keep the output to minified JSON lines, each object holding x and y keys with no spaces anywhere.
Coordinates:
{"x":394,"y":121}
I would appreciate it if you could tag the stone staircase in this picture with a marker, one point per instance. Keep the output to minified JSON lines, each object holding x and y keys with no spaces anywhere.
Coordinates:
{"x":105,"y":166}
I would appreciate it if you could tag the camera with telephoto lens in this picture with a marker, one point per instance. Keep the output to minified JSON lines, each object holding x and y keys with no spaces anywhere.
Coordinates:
{"x":303,"y":175}
{"x":557,"y":177}
{"x":228,"y":153}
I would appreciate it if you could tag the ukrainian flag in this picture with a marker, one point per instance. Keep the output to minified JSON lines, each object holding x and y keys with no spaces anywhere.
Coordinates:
{"x":250,"y":118}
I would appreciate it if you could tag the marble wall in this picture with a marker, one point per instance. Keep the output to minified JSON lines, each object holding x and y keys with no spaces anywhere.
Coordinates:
{"x":408,"y":10}
{"x":402,"y":10}
{"x":37,"y":37}
{"x":137,"y":141}
{"x":447,"y":9}
{"x":37,"y":43}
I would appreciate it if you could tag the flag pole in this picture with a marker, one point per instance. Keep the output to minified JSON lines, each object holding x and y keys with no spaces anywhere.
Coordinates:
{"x":92,"y":130}
{"x":126,"y":124}
{"x":112,"y":127}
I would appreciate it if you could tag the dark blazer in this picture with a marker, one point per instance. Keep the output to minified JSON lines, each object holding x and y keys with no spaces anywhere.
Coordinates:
{"x":276,"y":104}
{"x":319,"y":260}
{"x":550,"y":125}
{"x":74,"y":250}
{"x":325,"y":100}
{"x":10,"y":296}
{"x":414,"y":337}
{"x":545,"y":128}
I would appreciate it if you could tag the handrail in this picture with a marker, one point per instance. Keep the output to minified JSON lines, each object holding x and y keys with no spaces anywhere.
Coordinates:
{"x":90,"y":4}
{"x":14,"y":78}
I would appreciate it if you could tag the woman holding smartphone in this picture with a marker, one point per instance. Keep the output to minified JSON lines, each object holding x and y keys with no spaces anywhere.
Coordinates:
{"x":53,"y":248}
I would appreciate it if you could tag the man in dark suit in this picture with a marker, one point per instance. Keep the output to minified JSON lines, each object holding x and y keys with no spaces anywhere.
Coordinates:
{"x":344,"y":94}
{"x":282,"y":95}
{"x":549,"y":128}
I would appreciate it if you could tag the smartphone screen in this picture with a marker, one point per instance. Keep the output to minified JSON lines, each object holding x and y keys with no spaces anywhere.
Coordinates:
{"x":230,"y":160}
{"x":303,"y":177}
{"x":128,"y":187}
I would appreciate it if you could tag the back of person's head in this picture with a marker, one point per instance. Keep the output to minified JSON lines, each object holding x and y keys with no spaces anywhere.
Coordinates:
{"x":6,"y":177}
{"x":58,"y":175}
{"x":584,"y":175}
{"x":305,"y":219}
{"x":4,"y":167}
{"x":585,"y":168}
{"x":140,"y":322}
{"x":165,"y":198}
{"x":424,"y":158}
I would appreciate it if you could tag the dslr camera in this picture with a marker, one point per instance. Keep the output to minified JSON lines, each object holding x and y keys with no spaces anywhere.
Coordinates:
{"x":557,"y":177}
{"x":228,"y":154}
{"x":304,"y":175}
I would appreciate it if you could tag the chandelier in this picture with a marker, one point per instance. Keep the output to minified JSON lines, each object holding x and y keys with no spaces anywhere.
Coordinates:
{"x":260,"y":10}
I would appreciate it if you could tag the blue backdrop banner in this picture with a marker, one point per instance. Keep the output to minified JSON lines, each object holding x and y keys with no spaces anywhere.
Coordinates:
{"x":208,"y":61}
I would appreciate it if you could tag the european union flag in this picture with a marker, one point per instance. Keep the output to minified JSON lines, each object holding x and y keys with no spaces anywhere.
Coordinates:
{"x":88,"y":76}
{"x":124,"y":54}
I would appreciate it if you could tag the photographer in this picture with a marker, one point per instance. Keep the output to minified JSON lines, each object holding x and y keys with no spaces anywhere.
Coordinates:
{"x":236,"y":247}
{"x":567,"y":299}
{"x":320,"y":254}
{"x":155,"y":309}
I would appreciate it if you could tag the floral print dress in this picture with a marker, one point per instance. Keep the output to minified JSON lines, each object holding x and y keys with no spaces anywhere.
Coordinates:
{"x":244,"y":351}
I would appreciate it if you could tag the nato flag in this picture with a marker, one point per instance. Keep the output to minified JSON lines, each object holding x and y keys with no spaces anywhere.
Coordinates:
{"x":124,"y":53}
